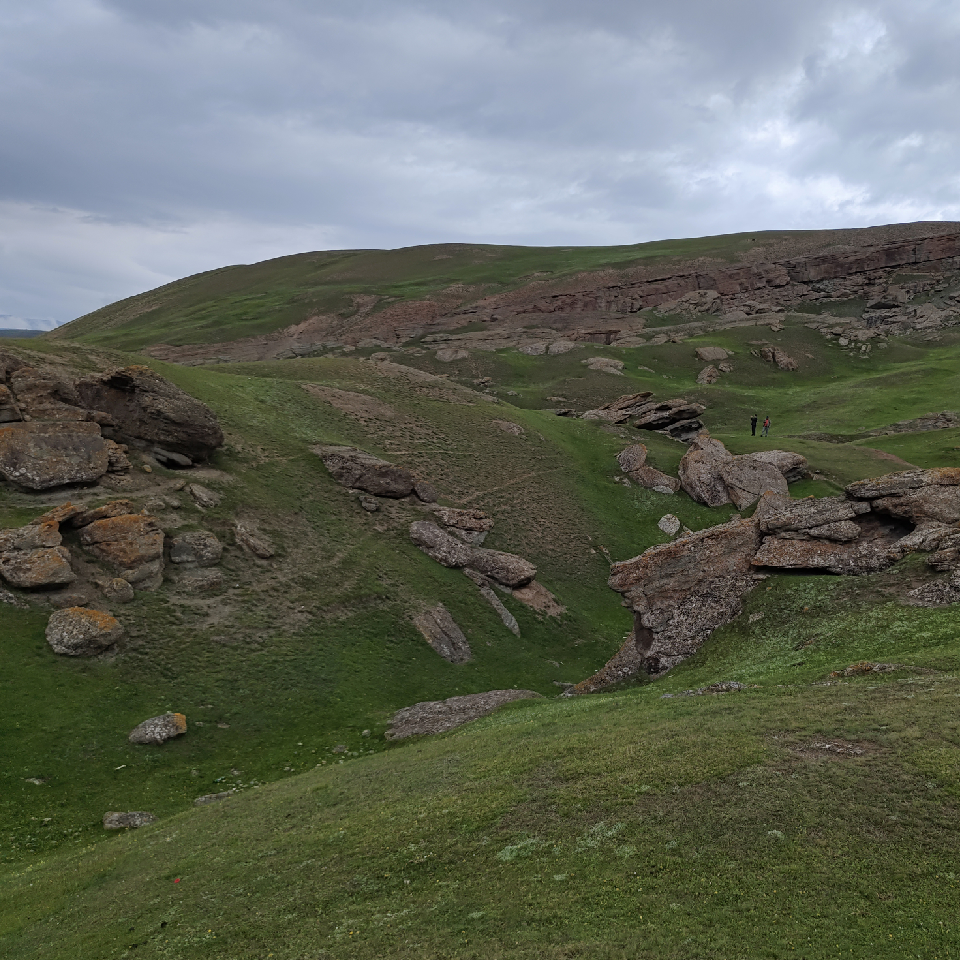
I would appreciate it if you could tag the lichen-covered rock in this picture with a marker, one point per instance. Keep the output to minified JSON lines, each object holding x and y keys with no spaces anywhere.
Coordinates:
{"x":747,"y":479}
{"x":202,"y":496}
{"x":39,"y":456}
{"x":362,"y":471}
{"x":116,"y":508}
{"x":669,"y":524}
{"x":667,"y":414}
{"x":198,"y":546}
{"x":129,"y":820}
{"x":475,"y":521}
{"x":793,"y":466}
{"x":81,"y":632}
{"x":812,"y":512}
{"x":440,"y":545}
{"x":127,"y":542}
{"x":438,"y":716}
{"x":252,"y":541}
{"x":158,"y":730}
{"x":605,"y":365}
{"x":781,"y":358}
{"x":940,"y":503}
{"x":117,"y":590}
{"x":708,"y":375}
{"x":712,"y":354}
{"x":632,"y":458}
{"x":700,"y":474}
{"x":653,"y":479}
{"x":906,"y":481}
{"x":867,"y":556}
{"x":148,"y":408}
{"x":506,"y":568}
{"x":31,"y":557}
{"x":440,"y":630}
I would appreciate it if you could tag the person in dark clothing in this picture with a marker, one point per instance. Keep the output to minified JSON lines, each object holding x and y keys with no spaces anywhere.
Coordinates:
{"x":753,"y":425}
{"x":766,"y":427}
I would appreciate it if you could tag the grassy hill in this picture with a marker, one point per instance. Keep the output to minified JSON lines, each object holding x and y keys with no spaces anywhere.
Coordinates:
{"x":617,"y":825}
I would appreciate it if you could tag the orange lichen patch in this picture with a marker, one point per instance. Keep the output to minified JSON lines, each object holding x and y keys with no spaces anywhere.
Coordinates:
{"x":180,"y":722}
{"x":99,"y":619}
{"x":126,"y":541}
{"x":116,"y":508}
{"x":45,"y":567}
{"x":57,"y":515}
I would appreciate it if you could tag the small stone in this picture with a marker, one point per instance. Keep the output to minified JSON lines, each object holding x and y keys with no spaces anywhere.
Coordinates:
{"x":157,"y":730}
{"x":203,"y":497}
{"x":369,"y":504}
{"x":251,"y":541}
{"x":212,"y":798}
{"x":130,"y":820}
{"x":365,"y":733}
{"x":670,"y":525}
{"x":198,"y":546}
{"x":340,"y":748}
{"x":117,"y":589}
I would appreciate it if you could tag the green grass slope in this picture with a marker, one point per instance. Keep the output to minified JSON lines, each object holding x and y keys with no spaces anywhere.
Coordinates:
{"x":250,"y":299}
{"x":621,"y":825}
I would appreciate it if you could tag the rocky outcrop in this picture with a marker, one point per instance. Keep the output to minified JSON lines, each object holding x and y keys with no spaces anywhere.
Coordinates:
{"x":679,"y":419}
{"x":700,"y":475}
{"x":899,"y":484}
{"x":779,"y":357}
{"x":632,"y":458}
{"x":132,"y":544}
{"x":811,"y":512}
{"x":713,"y":476}
{"x":438,"y":716}
{"x":440,"y":630}
{"x":869,"y":556}
{"x":708,"y":375}
{"x":129,"y":820}
{"x":32,"y":557}
{"x":148,"y":410}
{"x":505,"y":568}
{"x":158,"y":730}
{"x":747,"y":479}
{"x":362,"y":471}
{"x":632,"y":461}
{"x":471,"y":526}
{"x":252,"y":541}
{"x":621,"y":409}
{"x":793,"y":466}
{"x":681,"y":591}
{"x":40,"y":456}
{"x":80,"y":632}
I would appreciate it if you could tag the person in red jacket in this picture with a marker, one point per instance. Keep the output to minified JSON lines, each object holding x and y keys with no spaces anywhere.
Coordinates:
{"x":766,"y":427}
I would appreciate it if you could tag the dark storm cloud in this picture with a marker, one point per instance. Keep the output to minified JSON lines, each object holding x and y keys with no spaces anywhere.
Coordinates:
{"x":146,"y":139}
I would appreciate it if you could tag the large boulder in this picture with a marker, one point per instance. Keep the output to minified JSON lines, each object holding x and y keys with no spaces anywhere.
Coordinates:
{"x":700,"y":473}
{"x":681,"y":591}
{"x":132,"y":544}
{"x":81,"y":632}
{"x":439,"y":545}
{"x":362,"y":471}
{"x":438,"y":716}
{"x":506,"y":568}
{"x":31,"y":556}
{"x":747,"y":479}
{"x":854,"y":559}
{"x":712,"y":354}
{"x":793,"y":466}
{"x":158,"y":730}
{"x":39,"y":456}
{"x":632,"y":458}
{"x":440,"y":630}
{"x":148,"y":409}
{"x":941,"y":503}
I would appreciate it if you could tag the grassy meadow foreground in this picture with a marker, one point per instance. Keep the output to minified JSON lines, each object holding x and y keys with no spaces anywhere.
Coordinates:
{"x":810,"y":815}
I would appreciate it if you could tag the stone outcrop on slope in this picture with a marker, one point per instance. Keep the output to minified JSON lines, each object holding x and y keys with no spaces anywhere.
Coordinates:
{"x":362,"y":471}
{"x":39,"y":456}
{"x":793,"y":466}
{"x":681,"y":591}
{"x":438,"y":716}
{"x":713,"y":476}
{"x":32,"y":556}
{"x":150,"y":411}
{"x":621,"y":409}
{"x":130,"y":543}
{"x":506,"y":568}
{"x":632,"y":461}
{"x":440,"y":630}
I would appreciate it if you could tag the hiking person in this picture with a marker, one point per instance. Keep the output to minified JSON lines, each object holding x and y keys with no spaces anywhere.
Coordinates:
{"x":753,"y":425}
{"x":766,"y":427}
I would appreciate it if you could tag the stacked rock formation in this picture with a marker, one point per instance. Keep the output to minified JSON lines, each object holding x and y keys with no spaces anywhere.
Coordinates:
{"x":680,"y":592}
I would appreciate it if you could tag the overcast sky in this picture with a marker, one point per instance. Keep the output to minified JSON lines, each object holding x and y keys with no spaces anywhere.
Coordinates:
{"x":145,"y":140}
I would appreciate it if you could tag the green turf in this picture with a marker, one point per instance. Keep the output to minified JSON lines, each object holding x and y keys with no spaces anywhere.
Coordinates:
{"x":614,"y":826}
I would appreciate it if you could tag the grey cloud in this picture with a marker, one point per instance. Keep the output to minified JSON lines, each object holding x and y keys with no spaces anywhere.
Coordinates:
{"x":151,"y":124}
